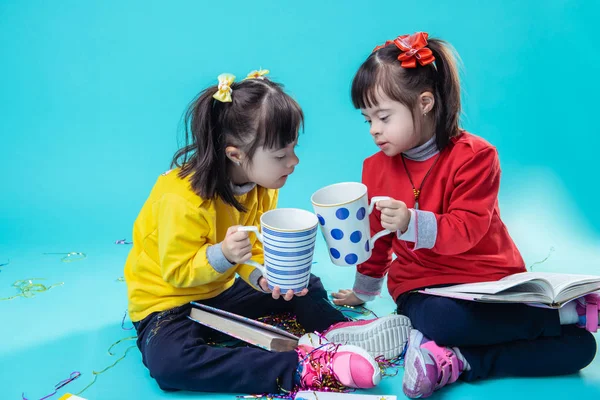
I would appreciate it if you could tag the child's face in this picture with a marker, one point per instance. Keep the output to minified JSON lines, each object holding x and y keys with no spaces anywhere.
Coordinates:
{"x":392,"y":126}
{"x":271,"y":168}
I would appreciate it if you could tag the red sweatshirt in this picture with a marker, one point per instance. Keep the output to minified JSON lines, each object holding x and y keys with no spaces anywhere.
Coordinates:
{"x":460,"y":236}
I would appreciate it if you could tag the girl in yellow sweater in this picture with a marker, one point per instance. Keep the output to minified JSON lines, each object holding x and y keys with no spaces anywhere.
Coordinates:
{"x":239,"y":151}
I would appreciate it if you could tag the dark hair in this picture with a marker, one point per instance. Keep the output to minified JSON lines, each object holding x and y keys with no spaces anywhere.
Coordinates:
{"x":382,"y":71}
{"x":259,"y":115}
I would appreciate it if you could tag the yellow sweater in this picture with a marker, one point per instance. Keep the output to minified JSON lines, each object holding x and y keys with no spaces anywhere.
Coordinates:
{"x":168,"y":265}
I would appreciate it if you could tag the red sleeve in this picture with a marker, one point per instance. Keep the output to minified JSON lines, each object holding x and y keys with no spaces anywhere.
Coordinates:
{"x":472,"y":204}
{"x":379,"y":262}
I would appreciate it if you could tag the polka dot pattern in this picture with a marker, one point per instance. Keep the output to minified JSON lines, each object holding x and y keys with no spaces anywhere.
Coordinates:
{"x":321,"y":220}
{"x":335,"y":253}
{"x":355,"y":237}
{"x":361,"y":213}
{"x":337,"y":234}
{"x":347,"y":237}
{"x":351,"y":258}
{"x":342,"y":213}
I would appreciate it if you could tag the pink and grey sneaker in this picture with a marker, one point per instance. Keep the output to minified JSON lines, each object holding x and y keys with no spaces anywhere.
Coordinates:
{"x":428,"y":367}
{"x":587,"y":309}
{"x":384,"y":336}
{"x":335,"y":365}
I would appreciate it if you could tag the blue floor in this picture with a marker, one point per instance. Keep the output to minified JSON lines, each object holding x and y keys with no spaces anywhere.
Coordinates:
{"x":90,"y":98}
{"x":70,"y":328}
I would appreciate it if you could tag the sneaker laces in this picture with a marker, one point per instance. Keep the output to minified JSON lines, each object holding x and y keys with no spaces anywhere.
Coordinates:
{"x":321,"y":362}
{"x":448,"y":367}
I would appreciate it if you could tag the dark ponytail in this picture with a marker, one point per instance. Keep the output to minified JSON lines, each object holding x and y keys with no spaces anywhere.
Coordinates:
{"x":447,"y":93}
{"x":203,"y":156}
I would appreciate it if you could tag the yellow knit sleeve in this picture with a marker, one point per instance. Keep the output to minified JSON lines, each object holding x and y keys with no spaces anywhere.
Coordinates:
{"x":182,"y":242}
{"x":267,"y":202}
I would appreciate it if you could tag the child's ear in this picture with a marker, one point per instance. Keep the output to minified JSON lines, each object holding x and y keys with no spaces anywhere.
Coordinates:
{"x":426,"y":102}
{"x":234,"y":155}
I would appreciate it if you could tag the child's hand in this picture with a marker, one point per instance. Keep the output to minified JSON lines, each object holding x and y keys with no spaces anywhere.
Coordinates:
{"x":346,"y":297}
{"x":236,"y":246}
{"x":394,"y":215}
{"x":276,"y":293}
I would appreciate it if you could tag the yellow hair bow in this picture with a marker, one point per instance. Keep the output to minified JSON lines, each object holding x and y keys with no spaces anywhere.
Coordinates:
{"x":224,"y":92}
{"x":257,"y":74}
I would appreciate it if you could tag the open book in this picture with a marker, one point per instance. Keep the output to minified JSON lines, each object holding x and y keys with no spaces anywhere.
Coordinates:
{"x":248,"y":330}
{"x":548,"y":289}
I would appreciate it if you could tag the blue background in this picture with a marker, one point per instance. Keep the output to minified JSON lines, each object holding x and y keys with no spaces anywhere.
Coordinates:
{"x":91,"y":98}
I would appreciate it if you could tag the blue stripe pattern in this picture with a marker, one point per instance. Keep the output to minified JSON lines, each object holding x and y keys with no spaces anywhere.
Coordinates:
{"x":298,"y":243}
{"x":288,"y":257}
{"x":269,"y":250}
{"x":294,"y":287}
{"x":300,"y":247}
{"x":300,"y":261}
{"x":275,"y":279}
{"x":288,"y":234}
{"x":294,"y":265}
{"x":289,"y":272}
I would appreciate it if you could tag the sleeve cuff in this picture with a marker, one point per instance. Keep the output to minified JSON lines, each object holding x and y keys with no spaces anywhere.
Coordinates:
{"x":217,"y":259}
{"x":367,"y":288}
{"x":422,"y":229}
{"x":254,"y":278}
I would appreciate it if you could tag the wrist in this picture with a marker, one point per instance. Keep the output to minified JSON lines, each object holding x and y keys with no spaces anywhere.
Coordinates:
{"x":226,"y":254}
{"x":404,"y":226}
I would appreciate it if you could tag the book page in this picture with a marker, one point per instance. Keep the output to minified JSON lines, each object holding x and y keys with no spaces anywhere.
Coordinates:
{"x":525,"y":287}
{"x":577,"y":291}
{"x":495,"y":287}
{"x":560,"y":282}
{"x":515,"y":297}
{"x":507,"y":296}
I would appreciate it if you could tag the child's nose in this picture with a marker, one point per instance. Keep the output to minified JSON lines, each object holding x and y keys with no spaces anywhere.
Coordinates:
{"x":374,"y":129}
{"x":294,"y":161}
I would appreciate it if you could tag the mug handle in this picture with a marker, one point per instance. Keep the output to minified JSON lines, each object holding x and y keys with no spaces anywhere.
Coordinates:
{"x":384,"y":232}
{"x":253,"y":263}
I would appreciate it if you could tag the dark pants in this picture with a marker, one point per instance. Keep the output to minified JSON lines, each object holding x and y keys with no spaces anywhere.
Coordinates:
{"x":175,"y":349}
{"x":501,"y":339}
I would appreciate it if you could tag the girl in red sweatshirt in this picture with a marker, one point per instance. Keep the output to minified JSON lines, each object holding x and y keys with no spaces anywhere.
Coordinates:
{"x":444,"y":213}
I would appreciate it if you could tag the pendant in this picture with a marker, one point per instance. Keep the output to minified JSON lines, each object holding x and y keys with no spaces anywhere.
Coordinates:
{"x":417,"y":193}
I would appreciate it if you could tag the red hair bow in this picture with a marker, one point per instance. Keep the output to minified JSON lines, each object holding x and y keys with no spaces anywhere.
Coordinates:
{"x":414,"y":48}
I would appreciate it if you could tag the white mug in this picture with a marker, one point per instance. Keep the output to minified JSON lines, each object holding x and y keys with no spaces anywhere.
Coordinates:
{"x":288,"y":237}
{"x":343,"y":212}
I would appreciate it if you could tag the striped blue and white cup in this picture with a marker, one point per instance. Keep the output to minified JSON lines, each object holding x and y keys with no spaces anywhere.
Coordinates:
{"x":288,"y":236}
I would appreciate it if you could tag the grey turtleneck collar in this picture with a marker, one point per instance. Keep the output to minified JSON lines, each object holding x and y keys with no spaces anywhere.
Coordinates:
{"x":239,"y":190}
{"x":422,"y":152}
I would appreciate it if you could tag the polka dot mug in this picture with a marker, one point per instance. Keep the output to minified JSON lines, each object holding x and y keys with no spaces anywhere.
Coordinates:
{"x":343,"y":211}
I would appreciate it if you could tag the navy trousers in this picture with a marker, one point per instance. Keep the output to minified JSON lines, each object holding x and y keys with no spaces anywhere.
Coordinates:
{"x":175,"y":350}
{"x":501,"y":339}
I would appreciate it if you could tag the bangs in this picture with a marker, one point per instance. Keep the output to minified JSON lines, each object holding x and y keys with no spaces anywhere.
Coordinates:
{"x":376,"y":76}
{"x":280,"y":122}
